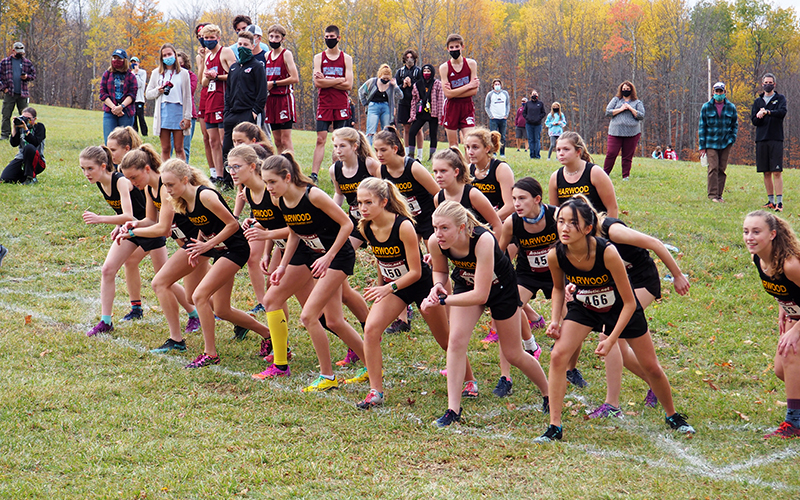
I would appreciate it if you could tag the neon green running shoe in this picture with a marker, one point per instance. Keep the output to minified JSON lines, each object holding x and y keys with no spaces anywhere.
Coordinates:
{"x":361,"y":377}
{"x":322,"y":384}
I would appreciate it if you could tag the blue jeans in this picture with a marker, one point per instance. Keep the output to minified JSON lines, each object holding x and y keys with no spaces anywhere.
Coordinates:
{"x":534,"y":139}
{"x":112,"y":121}
{"x":501,"y":126}
{"x":187,"y":141}
{"x":377,"y":111}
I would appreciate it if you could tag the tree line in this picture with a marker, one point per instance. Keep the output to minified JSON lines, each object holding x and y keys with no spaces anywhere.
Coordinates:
{"x":572,"y":51}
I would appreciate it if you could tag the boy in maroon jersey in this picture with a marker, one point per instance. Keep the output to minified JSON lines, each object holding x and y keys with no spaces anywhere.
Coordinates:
{"x":459,"y":82}
{"x":281,"y":74}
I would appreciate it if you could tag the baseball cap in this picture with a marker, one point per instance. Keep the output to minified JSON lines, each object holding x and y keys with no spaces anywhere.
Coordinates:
{"x":120,"y":53}
{"x":134,"y":59}
{"x":719,"y":85}
{"x":19,"y":47}
{"x":255,"y":30}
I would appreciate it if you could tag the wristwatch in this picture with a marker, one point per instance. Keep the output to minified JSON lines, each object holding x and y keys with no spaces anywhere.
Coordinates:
{"x":442,"y":297}
{"x":394,"y":287}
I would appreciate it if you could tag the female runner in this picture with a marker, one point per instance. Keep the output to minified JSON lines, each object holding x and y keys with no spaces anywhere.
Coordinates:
{"x":776,"y":255}
{"x":493,"y":177}
{"x":120,"y":141}
{"x":325,"y":255}
{"x":388,"y":228}
{"x":603,"y":297}
{"x":128,"y":203}
{"x":483,"y":277}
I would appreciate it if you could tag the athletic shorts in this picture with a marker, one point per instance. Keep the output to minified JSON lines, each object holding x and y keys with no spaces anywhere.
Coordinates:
{"x":148,"y":244}
{"x":533,"y":285}
{"x":281,"y":126}
{"x":325,"y":125}
{"x":403,"y":113}
{"x":333,"y":115}
{"x":345,"y":260}
{"x":424,"y":228}
{"x":605,"y":322}
{"x":238,"y":256}
{"x":649,"y":280}
{"x":458,"y":113}
{"x":355,"y":233}
{"x":419,"y":290}
{"x":503,"y":301}
{"x":520,"y":133}
{"x":214,"y":119}
{"x":279,"y":110}
{"x":769,"y":156}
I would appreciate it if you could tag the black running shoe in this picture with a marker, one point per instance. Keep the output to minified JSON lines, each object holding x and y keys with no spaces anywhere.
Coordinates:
{"x":448,"y":418}
{"x":314,"y":178}
{"x":546,"y":405}
{"x":575,"y":377}
{"x":239,"y":332}
{"x":3,"y":253}
{"x":170,"y":345}
{"x":678,"y":423}
{"x":503,"y":388}
{"x":553,"y":433}
{"x":136,"y":313}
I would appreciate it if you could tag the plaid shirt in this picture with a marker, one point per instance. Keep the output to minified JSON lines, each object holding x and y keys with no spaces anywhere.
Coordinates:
{"x":717,"y":131}
{"x":437,"y":101}
{"x":108,"y":91}
{"x":7,"y":75}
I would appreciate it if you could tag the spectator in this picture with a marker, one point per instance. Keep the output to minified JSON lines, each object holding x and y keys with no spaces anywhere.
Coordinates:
{"x":29,"y":136}
{"x":670,"y":154}
{"x":240,"y":23}
{"x":626,"y":112}
{"x":406,"y":77}
{"x":380,"y":95}
{"x":427,"y":106}
{"x":498,"y":105}
{"x":15,"y":73}
{"x":555,"y":123}
{"x":768,"y":112}
{"x":534,"y":114}
{"x":521,"y":133}
{"x":139,"y":122}
{"x":118,"y":89}
{"x":717,"y":131}
{"x":185,"y":62}
{"x":657,"y":154}
{"x":171,"y":88}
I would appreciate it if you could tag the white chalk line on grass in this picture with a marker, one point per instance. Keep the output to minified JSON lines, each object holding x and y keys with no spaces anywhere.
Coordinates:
{"x":694,"y":464}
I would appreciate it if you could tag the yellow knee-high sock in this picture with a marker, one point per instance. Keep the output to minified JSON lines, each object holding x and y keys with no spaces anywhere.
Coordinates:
{"x":279,"y":331}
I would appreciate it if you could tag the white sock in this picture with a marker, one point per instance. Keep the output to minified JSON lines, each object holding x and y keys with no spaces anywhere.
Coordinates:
{"x":409,"y":150}
{"x":212,"y":171}
{"x":530,"y":344}
{"x":419,"y":152}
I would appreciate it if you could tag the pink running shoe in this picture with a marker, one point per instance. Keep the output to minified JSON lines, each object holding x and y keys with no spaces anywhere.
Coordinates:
{"x":272,"y":372}
{"x":193,"y":325}
{"x":266,"y":347}
{"x":203,"y":360}
{"x":101,"y":327}
{"x":538,"y":324}
{"x":650,"y":400}
{"x":491,"y":338}
{"x":349,"y":359}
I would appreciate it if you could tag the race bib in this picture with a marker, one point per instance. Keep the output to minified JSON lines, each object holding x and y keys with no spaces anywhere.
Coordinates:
{"x":392,"y":271}
{"x":177,"y":233}
{"x":597,"y":299}
{"x":469,"y":277}
{"x":537,"y":259}
{"x":212,"y":86}
{"x":355,"y":213}
{"x":790,"y":308}
{"x":313,"y":242}
{"x":413,"y":204}
{"x":202,"y":237}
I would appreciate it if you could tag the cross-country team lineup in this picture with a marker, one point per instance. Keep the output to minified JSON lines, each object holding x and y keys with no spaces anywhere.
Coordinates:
{"x":457,"y":240}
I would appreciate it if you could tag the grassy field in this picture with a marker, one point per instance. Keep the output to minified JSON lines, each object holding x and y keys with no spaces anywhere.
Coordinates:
{"x":102,"y":418}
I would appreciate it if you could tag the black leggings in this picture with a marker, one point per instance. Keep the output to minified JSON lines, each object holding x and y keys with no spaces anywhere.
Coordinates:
{"x":139,"y":123}
{"x":553,"y":141}
{"x":30,"y":165}
{"x":433,"y":129}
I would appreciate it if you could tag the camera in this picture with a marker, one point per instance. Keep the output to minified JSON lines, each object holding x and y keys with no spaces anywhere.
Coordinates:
{"x":20,"y":121}
{"x":167,"y":88}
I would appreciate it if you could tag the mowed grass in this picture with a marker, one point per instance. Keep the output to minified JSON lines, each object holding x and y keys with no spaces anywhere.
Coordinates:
{"x":103,"y":418}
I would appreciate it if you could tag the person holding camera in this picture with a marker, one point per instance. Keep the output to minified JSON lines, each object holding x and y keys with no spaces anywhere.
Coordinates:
{"x":139,"y":122}
{"x":28,"y":135}
{"x":118,"y":88}
{"x":171,"y":88}
{"x":15,"y":73}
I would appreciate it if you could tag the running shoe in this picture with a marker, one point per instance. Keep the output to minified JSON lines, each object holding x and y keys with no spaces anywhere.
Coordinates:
{"x":361,"y":377}
{"x":443,"y":372}
{"x":3,"y":253}
{"x":193,"y":325}
{"x":553,"y":433}
{"x":786,"y":431}
{"x":266,"y":348}
{"x":606,"y":410}
{"x":448,"y":418}
{"x":537,"y":353}
{"x":538,"y":324}
{"x":491,"y":337}
{"x":398,"y":326}
{"x":373,"y":399}
{"x":575,"y":377}
{"x":503,"y":388}
{"x":136,"y":313}
{"x":769,"y":205}
{"x":314,"y":178}
{"x":257,"y":309}
{"x":239,"y":332}
{"x":170,"y":345}
{"x":322,"y":384}
{"x":651,"y":401}
{"x":272,"y":372}
{"x":678,"y":423}
{"x":101,"y":327}
{"x":779,"y":207}
{"x":349,"y":359}
{"x":270,"y":358}
{"x":203,"y":360}
{"x":409,"y":313}
{"x":470,"y":389}
{"x":546,"y":405}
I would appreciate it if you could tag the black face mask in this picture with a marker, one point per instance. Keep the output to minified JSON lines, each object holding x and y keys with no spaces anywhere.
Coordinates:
{"x":331,"y":42}
{"x":534,"y":98}
{"x":18,"y":55}
{"x":768,"y":87}
{"x":384,"y":80}
{"x":275,"y":45}
{"x":626,"y":93}
{"x":556,"y":110}
{"x":455,"y":54}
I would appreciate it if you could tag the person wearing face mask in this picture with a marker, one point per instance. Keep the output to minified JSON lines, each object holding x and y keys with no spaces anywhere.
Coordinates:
{"x":497,"y":105}
{"x":281,"y":75}
{"x":520,"y":133}
{"x":118,"y":88}
{"x":406,"y":77}
{"x":16,"y":71}
{"x":380,"y":95}
{"x":534,"y":114}
{"x":555,"y":123}
{"x":626,"y":112}
{"x":246,"y":94}
{"x":427,"y":106}
{"x":719,"y":125}
{"x":459,"y":83}
{"x":171,"y":88}
{"x":767,"y":115}
{"x":141,"y":82}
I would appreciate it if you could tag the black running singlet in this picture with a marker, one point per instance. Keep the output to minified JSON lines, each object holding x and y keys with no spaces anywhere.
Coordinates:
{"x":464,"y":267}
{"x":419,"y":199}
{"x":349,"y":185}
{"x":182,"y":229}
{"x":391,"y":253}
{"x":584,"y":186}
{"x":113,"y":199}
{"x":210,"y":225}
{"x":533,"y":247}
{"x":782,"y":288}
{"x":489,"y":185}
{"x":596,"y":289}
{"x":637,"y":260}
{"x":311,"y":224}
{"x":267,"y":214}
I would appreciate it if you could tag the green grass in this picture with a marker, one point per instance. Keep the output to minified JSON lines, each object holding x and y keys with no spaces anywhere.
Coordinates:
{"x":101,"y":418}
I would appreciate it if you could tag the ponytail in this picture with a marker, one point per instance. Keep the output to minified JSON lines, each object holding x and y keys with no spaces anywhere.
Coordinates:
{"x":100,"y":155}
{"x":784,"y":245}
{"x":141,"y":156}
{"x":578,"y":143}
{"x":457,"y":213}
{"x":390,"y":136}
{"x":181,"y":169}
{"x":126,"y":137}
{"x":284,"y":164}
{"x":357,"y":139}
{"x":491,"y":140}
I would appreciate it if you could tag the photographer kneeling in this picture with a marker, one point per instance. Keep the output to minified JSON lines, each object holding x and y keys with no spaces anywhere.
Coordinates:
{"x":29,"y":136}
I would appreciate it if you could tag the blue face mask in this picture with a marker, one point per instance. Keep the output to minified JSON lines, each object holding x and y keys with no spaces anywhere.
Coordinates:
{"x":719,"y":97}
{"x":210,"y":44}
{"x":169,"y":61}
